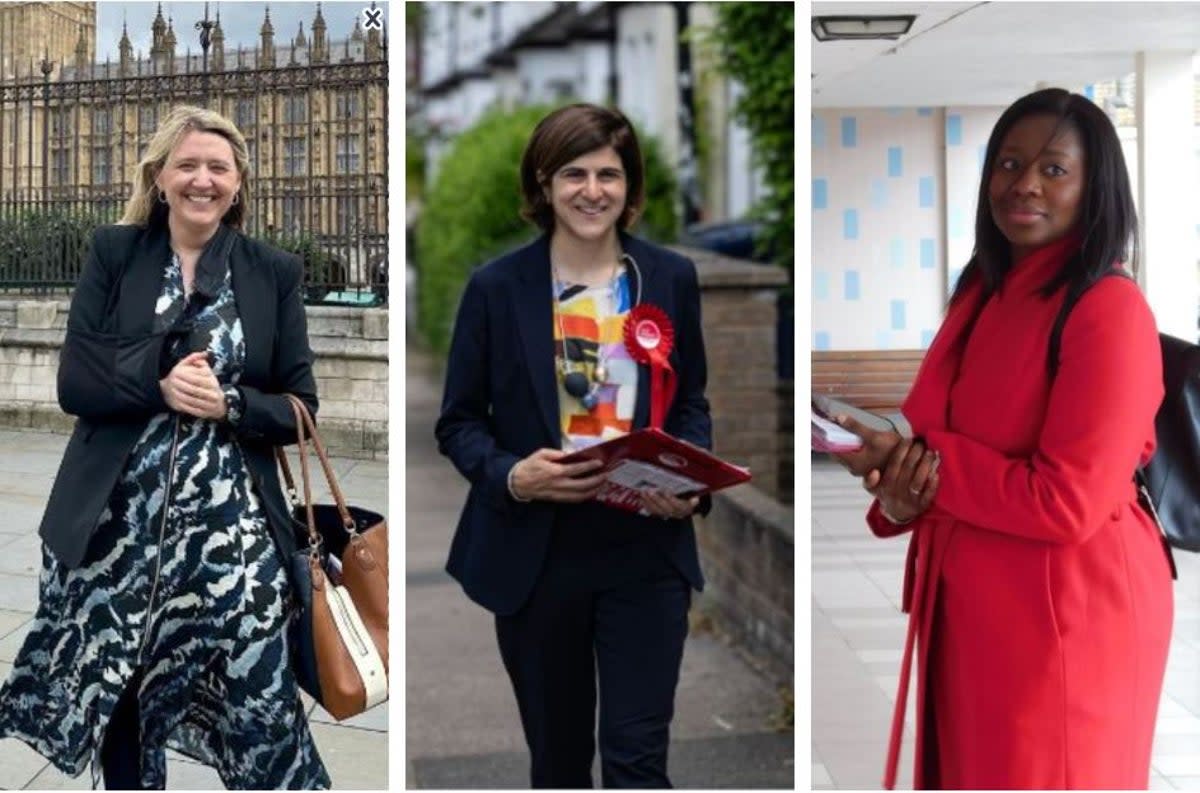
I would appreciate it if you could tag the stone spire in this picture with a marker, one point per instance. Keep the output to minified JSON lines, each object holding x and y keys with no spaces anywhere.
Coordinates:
{"x":266,"y":52}
{"x":158,"y":30}
{"x":81,"y":51}
{"x":374,"y":41}
{"x":299,"y":44}
{"x":169,"y":46}
{"x":218,"y":46}
{"x":320,"y":43}
{"x":126,"y":50}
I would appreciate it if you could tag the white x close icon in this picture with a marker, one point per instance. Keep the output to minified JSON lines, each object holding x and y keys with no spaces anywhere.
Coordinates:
{"x":373,"y":18}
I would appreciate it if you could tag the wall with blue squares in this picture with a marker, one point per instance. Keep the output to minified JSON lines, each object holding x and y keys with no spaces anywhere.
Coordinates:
{"x":893,"y":207}
{"x":967,"y":131}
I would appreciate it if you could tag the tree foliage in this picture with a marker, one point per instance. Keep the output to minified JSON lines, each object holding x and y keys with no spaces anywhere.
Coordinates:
{"x":471,"y":211}
{"x":755,"y":45}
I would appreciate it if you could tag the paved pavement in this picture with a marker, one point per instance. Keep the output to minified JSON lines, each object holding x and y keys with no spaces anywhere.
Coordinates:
{"x":462,"y":726}
{"x":858,"y":635}
{"x":354,"y":751}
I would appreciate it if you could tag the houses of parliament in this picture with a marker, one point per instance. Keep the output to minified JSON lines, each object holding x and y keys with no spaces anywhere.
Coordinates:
{"x":313,"y":109}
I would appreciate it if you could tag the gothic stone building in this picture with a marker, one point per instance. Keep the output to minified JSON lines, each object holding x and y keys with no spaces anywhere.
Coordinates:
{"x":313,"y":110}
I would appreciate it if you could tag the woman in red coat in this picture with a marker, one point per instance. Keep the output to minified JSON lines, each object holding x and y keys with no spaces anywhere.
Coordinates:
{"x":1038,"y":589}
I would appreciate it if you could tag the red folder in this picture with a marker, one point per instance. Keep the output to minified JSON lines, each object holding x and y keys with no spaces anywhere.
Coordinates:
{"x":651,"y":459}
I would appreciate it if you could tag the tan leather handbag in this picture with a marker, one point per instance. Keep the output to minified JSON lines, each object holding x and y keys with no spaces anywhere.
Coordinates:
{"x":339,"y":635}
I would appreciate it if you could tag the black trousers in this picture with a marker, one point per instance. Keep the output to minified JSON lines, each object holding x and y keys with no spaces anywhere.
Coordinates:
{"x":611,"y":609}
{"x":121,"y":752}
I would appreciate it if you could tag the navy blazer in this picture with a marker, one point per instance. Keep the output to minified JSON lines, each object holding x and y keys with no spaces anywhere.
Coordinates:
{"x":501,"y":404}
{"x":109,"y":370}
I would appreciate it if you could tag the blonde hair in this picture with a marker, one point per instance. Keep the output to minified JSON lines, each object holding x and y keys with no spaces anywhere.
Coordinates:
{"x":143,"y":206}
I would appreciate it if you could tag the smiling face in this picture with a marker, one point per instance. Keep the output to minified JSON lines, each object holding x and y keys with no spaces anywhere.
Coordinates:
{"x":588,"y":195}
{"x":1035,"y":190}
{"x":200,"y":179}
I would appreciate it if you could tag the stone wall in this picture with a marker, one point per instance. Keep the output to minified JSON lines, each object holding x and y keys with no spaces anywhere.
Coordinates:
{"x":738,"y":315}
{"x":747,"y":551}
{"x":351,"y":369}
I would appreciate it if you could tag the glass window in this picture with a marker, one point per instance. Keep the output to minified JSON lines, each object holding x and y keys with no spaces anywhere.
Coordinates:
{"x":101,"y":165}
{"x":295,"y":109}
{"x":293,"y":214}
{"x":244,"y":114}
{"x":347,"y":153}
{"x":295,"y":157}
{"x":347,"y":104}
{"x":148,"y":118}
{"x":102,"y":121}
{"x":60,"y":123}
{"x":345,"y":214}
{"x":60,"y":166}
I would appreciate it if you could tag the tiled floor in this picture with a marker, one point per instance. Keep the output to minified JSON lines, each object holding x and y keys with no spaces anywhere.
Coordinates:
{"x":858,"y":635}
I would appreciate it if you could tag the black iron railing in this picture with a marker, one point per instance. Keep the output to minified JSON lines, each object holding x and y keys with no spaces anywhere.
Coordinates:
{"x":317,"y":139}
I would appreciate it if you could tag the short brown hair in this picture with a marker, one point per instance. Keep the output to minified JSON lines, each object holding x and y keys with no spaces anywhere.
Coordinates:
{"x":571,"y":132}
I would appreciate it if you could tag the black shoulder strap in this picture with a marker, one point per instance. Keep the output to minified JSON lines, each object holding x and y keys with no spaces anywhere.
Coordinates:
{"x":1073,"y":295}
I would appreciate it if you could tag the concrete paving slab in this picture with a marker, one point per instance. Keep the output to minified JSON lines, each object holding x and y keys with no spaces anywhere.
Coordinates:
{"x":356,"y":759}
{"x":19,"y":764}
{"x":22,"y":556}
{"x":744,"y":762}
{"x":11,"y":620}
{"x":18,"y":592}
{"x":12,"y":641}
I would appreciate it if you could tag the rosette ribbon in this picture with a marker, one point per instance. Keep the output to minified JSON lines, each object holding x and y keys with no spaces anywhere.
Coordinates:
{"x":649,"y":338}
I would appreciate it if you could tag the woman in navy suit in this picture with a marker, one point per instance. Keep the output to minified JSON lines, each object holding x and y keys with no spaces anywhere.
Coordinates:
{"x":585,"y":596}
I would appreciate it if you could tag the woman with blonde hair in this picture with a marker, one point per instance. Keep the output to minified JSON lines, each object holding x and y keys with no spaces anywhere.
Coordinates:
{"x":163,"y":594}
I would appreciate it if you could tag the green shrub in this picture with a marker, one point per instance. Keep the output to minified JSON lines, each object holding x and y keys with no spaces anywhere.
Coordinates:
{"x":323,"y":271}
{"x":755,"y":46}
{"x":46,"y":247}
{"x":471,"y":212}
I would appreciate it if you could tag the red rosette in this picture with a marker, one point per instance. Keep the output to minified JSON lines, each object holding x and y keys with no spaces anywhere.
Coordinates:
{"x":649,"y":338}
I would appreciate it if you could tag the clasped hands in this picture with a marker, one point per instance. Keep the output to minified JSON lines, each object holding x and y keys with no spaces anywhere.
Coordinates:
{"x":900,"y":472}
{"x":192,"y":388}
{"x":543,"y":477}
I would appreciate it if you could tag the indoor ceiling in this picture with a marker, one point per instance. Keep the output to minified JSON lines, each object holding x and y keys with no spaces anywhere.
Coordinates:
{"x":991,"y":53}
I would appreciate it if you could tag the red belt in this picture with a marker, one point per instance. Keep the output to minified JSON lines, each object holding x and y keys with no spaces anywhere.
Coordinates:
{"x":911,"y":602}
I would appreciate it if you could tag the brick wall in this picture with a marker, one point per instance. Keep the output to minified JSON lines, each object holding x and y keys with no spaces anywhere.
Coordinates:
{"x":738,"y":315}
{"x":351,"y":369}
{"x":747,"y":551}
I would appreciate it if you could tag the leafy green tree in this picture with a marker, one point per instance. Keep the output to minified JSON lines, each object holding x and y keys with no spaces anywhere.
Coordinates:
{"x":755,"y":46}
{"x":471,"y":212}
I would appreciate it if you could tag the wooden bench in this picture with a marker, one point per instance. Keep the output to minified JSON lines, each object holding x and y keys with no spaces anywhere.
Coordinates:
{"x":876,"y":380}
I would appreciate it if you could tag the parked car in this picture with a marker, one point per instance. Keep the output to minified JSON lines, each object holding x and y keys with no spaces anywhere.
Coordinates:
{"x":736,"y":238}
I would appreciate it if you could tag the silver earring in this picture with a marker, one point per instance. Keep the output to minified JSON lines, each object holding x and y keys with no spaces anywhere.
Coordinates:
{"x":235,"y":200}
{"x":162,"y":197}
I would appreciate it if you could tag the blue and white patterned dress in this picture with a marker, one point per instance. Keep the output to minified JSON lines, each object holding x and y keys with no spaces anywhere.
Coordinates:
{"x":193,"y":595}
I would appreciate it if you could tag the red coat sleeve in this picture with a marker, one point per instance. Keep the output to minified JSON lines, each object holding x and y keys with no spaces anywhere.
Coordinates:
{"x":884,"y":528}
{"x":1099,"y":422}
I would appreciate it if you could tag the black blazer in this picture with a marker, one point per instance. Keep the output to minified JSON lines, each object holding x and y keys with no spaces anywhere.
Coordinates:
{"x":109,"y":370}
{"x":501,"y":404}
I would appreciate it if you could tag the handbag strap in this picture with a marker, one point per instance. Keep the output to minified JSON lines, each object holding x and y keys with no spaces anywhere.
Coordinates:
{"x":314,"y":539}
{"x":304,"y":421}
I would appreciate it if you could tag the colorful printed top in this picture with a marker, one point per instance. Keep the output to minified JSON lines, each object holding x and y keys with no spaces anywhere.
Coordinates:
{"x":592,"y":319}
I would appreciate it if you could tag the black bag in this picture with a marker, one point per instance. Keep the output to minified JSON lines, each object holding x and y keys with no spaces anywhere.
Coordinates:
{"x":1171,"y":480}
{"x":1168,"y":485}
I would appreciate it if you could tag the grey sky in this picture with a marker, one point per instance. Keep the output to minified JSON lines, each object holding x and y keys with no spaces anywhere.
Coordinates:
{"x":240,"y":21}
